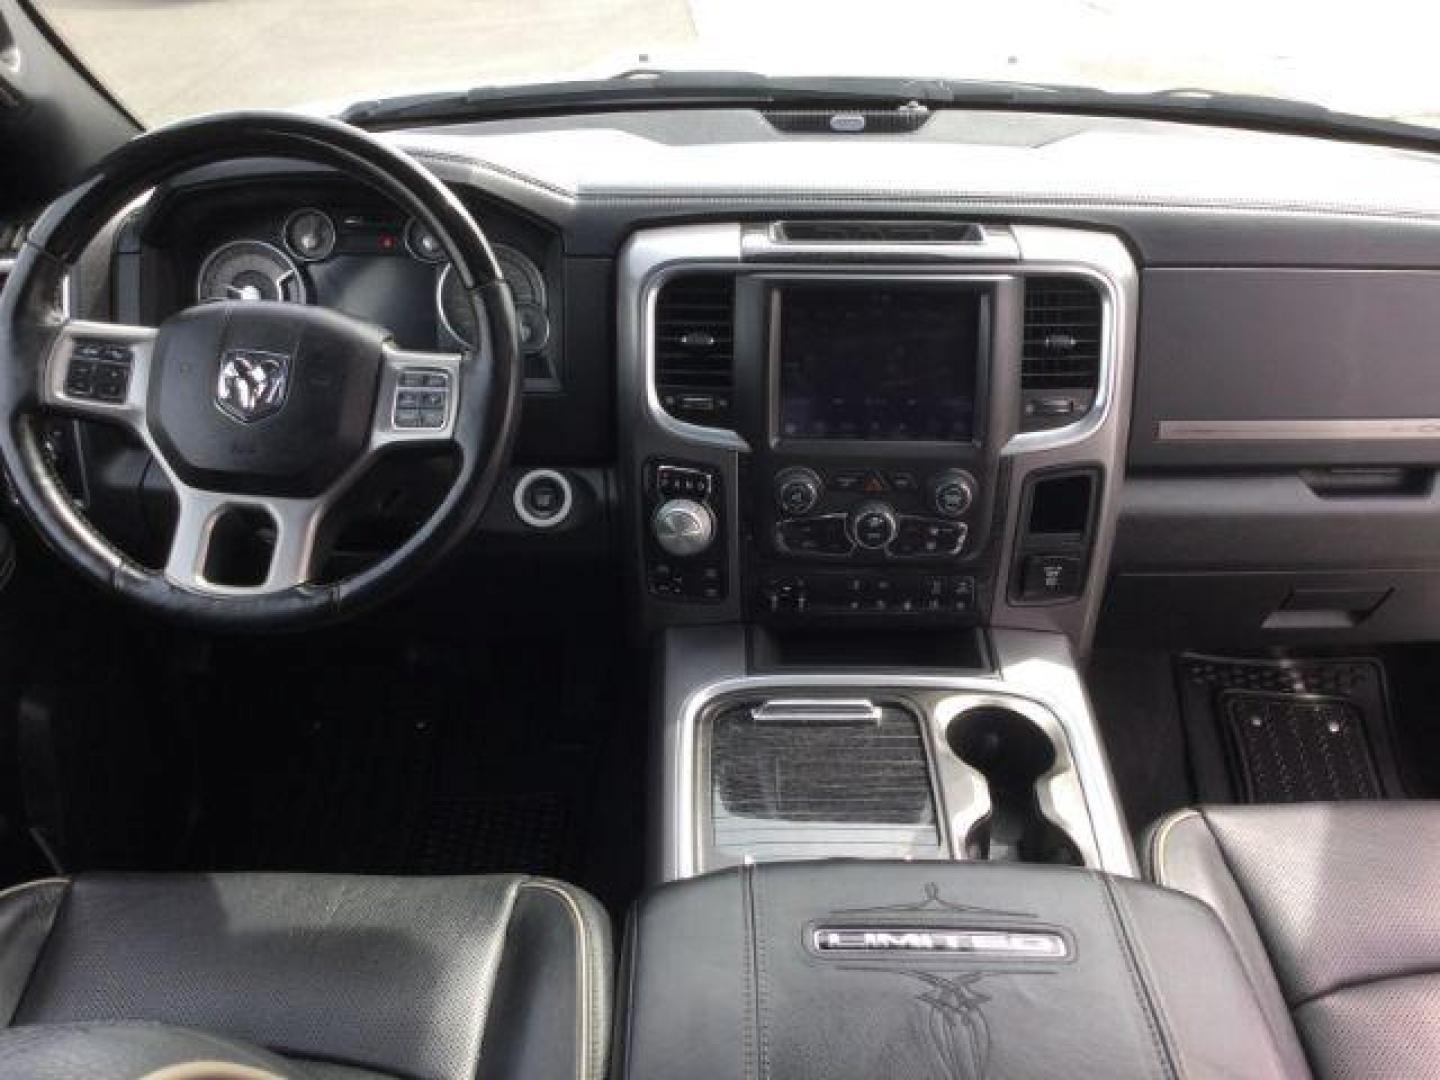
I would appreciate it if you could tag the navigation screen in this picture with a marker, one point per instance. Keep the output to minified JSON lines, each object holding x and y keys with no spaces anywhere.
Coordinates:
{"x":878,"y":362}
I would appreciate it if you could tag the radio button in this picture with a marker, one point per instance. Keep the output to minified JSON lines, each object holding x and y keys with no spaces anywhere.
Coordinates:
{"x":797,"y":490}
{"x":873,"y":525}
{"x":952,"y":493}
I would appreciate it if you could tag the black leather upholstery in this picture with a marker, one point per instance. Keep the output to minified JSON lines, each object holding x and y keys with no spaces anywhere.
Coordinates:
{"x":430,"y":978}
{"x":723,"y":978}
{"x":1340,"y":900}
{"x":107,"y":1051}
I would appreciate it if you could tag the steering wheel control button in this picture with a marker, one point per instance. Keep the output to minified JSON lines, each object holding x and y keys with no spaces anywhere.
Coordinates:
{"x":684,"y":527}
{"x":422,"y":398}
{"x":952,"y":493}
{"x":797,"y":490}
{"x":543,"y":498}
{"x":99,"y":371}
{"x":873,"y":525}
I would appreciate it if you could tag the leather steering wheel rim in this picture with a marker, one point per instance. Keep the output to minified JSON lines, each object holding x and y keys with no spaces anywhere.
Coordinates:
{"x":487,"y":377}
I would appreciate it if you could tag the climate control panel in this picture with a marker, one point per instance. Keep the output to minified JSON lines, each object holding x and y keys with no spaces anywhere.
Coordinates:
{"x":876,"y":514}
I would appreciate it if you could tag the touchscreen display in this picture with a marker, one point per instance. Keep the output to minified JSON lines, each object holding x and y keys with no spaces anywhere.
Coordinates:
{"x":878,"y":362}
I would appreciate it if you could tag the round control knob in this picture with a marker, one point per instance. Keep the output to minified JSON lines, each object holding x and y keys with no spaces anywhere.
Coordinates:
{"x":952,"y":493}
{"x":684,"y":527}
{"x":797,"y":490}
{"x":873,"y":525}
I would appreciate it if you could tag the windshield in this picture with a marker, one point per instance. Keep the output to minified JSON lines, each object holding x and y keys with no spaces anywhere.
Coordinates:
{"x":166,"y":59}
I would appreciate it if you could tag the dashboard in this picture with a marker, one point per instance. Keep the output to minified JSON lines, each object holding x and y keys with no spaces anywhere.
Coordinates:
{"x":1100,"y":376}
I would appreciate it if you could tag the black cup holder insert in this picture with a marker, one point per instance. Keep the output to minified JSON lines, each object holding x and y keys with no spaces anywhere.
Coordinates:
{"x":1012,"y":752}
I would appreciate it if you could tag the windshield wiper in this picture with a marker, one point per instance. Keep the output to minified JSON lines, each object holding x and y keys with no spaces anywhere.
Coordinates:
{"x":647,"y":89}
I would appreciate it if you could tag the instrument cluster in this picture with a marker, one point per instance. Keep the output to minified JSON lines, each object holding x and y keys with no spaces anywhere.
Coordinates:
{"x":359,"y":261}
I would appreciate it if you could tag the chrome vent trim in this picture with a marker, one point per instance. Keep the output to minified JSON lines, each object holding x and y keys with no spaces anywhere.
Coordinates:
{"x":1060,"y":360}
{"x":695,"y":347}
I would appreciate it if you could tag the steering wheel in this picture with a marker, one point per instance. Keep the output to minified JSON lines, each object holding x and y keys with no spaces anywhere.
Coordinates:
{"x":254,"y":407}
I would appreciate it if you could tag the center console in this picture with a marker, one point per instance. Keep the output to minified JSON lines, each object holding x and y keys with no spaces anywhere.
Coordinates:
{"x":868,"y":478}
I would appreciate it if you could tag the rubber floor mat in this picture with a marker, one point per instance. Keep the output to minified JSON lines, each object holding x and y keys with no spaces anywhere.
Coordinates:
{"x":1293,"y":749}
{"x":1291,"y":730}
{"x":476,"y":760}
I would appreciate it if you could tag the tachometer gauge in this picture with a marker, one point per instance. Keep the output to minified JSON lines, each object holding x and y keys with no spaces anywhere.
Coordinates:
{"x":527,"y":285}
{"x":310,"y":235}
{"x":249,"y":270}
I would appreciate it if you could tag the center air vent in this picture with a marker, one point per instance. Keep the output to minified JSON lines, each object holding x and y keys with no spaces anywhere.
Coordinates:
{"x":695,"y":347}
{"x":1060,"y":366}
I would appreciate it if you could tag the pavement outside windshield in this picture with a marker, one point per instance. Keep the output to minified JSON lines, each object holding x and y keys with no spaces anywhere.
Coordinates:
{"x":171,"y":58}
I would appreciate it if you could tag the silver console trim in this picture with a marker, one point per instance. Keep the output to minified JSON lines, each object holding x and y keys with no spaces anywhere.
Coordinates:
{"x":1037,"y":677}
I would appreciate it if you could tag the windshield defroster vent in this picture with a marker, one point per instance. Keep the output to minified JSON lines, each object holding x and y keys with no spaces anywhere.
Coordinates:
{"x":899,"y":121}
{"x":1060,"y":365}
{"x":695,"y":347}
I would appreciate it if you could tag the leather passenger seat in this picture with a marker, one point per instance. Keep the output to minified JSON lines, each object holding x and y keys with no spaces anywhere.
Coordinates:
{"x":1335,"y":910}
{"x":303,"y":976}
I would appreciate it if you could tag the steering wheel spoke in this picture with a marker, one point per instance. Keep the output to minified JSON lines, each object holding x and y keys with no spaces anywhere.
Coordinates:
{"x":194,"y":548}
{"x":419,"y":398}
{"x":100,"y":370}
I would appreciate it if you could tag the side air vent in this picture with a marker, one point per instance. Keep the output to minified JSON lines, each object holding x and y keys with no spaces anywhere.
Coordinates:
{"x":903,"y":120}
{"x":695,"y":347}
{"x":1060,"y":366}
{"x":881,"y":232}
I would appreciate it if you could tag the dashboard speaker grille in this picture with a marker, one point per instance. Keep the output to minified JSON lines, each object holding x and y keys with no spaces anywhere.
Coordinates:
{"x":1060,"y":365}
{"x":695,"y":347}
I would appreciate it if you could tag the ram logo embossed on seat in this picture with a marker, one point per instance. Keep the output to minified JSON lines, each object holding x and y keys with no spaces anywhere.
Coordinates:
{"x":252,"y":384}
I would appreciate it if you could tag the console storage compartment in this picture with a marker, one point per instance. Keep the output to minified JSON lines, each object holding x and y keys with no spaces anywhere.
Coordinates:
{"x":910,"y":971}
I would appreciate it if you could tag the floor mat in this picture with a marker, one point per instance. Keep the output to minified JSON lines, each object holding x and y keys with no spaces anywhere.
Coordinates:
{"x":459,"y":759}
{"x":1289,"y":730}
{"x":1298,"y":749}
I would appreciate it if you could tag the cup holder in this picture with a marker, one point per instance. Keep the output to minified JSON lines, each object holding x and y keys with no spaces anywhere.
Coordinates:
{"x":1012,"y":753}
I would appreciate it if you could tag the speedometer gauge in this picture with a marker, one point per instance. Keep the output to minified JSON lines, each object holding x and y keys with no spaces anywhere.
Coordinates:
{"x":527,"y":285}
{"x":249,"y":270}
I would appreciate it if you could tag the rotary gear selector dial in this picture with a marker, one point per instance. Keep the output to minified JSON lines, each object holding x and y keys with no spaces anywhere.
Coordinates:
{"x":683,"y":527}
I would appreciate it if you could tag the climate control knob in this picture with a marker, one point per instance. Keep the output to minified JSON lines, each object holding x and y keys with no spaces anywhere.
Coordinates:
{"x":797,"y":490}
{"x":873,"y":525}
{"x":683,"y":527}
{"x":952,"y":493}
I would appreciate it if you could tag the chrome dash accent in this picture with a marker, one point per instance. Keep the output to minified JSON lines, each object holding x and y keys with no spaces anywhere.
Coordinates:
{"x":818,"y":710}
{"x":1386,"y":430}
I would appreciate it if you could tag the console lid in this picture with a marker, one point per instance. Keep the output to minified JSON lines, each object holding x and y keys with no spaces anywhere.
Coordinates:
{"x":860,"y":970}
